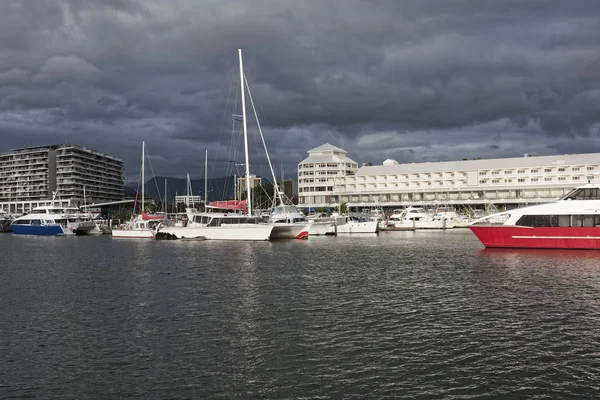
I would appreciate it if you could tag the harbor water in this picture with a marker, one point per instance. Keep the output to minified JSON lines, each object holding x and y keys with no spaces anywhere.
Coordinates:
{"x":395,"y":315}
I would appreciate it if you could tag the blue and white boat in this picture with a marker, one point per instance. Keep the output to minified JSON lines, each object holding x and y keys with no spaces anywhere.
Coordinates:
{"x":52,"y":221}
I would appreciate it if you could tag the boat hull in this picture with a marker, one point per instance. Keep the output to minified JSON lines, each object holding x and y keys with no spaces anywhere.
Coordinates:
{"x":538,"y":237}
{"x":357,"y":227}
{"x":290,"y":231}
{"x":248,"y":233}
{"x":38,"y":230}
{"x":132,"y":233}
{"x":321,"y":228}
{"x":423,"y":225}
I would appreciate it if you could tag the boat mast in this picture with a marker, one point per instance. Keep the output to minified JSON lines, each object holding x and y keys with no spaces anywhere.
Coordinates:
{"x":188,"y":190}
{"x":166,"y":203}
{"x":248,"y":199}
{"x":276,"y":187}
{"x":205,"y":179}
{"x":143,"y":182}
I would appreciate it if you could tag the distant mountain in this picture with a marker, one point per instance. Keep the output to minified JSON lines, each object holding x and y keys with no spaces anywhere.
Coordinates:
{"x":218,"y":188}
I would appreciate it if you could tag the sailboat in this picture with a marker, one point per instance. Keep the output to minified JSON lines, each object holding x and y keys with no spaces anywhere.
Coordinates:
{"x":142,"y":226}
{"x":224,"y":225}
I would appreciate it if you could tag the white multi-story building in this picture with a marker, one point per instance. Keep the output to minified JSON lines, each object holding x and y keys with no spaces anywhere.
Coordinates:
{"x":508,"y":181}
{"x":324,"y":168}
{"x":35,"y":176}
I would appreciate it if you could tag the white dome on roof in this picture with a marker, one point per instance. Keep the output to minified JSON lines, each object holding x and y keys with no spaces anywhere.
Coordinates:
{"x":389,"y":161}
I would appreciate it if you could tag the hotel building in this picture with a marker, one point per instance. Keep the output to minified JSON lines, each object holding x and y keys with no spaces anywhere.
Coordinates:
{"x":36,"y":176}
{"x":328,"y":176}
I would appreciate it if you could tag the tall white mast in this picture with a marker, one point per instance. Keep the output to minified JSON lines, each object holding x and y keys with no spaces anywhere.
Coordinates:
{"x":166,"y":208}
{"x":205,"y":179}
{"x":248,"y":199}
{"x":276,"y":187}
{"x":143,"y":179}
{"x":188,"y":189}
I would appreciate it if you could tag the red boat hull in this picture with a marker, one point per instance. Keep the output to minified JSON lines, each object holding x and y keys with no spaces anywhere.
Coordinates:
{"x":538,"y":237}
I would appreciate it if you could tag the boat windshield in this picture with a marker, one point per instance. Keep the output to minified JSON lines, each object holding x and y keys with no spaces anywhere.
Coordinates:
{"x":583,"y":194}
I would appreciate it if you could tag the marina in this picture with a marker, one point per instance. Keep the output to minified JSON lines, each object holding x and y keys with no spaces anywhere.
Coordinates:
{"x":402,"y":200}
{"x":395,"y":314}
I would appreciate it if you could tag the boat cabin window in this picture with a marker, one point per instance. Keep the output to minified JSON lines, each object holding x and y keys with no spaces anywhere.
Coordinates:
{"x":201,"y":219}
{"x":22,"y":222}
{"x":215,"y":222}
{"x":559,"y":220}
{"x":584,"y":194}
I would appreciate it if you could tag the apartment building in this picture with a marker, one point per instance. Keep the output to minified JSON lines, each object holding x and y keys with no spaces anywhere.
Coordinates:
{"x":64,"y":173}
{"x":509,"y":182}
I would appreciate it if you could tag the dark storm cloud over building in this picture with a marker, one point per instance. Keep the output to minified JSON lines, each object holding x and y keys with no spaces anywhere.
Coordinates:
{"x":409,"y":80}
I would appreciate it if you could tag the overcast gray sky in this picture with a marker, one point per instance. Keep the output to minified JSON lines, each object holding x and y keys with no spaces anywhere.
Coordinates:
{"x":409,"y":80}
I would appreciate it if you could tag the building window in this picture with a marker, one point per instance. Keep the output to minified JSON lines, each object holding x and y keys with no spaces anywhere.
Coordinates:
{"x":590,"y":168}
{"x":495,"y":172}
{"x":482,"y":182}
{"x":547,"y":169}
{"x":508,"y":172}
{"x":547,"y":179}
{"x":495,"y":180}
{"x":508,"y":181}
{"x":575,"y":168}
{"x":534,"y":179}
{"x":483,"y":173}
{"x":561,"y":178}
{"x":521,"y":180}
{"x":561,"y":170}
{"x":534,"y":171}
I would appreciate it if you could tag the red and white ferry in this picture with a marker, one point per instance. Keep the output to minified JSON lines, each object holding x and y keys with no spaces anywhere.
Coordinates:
{"x":572,"y":222}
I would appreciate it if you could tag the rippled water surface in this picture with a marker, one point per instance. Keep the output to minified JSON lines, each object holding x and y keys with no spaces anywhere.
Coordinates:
{"x":398,"y":315}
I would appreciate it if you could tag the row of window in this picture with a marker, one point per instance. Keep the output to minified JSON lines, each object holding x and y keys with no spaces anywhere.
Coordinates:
{"x":575,"y":221}
{"x":537,"y":170}
{"x":327,"y":165}
{"x":215,"y":221}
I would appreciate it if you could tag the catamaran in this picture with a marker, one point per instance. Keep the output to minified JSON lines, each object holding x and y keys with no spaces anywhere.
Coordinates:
{"x":224,"y":225}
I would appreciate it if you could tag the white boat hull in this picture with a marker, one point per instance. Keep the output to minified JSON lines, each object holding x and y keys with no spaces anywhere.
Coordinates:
{"x":223,"y":232}
{"x":424,"y":225}
{"x":357,"y":227}
{"x":290,"y":231}
{"x":133,"y":233}
{"x":321,"y":228}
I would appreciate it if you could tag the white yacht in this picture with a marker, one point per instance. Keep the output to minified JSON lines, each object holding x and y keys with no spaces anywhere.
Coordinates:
{"x":418,"y":218}
{"x":322,"y":224}
{"x":288,"y":223}
{"x":52,"y":220}
{"x":354,"y":224}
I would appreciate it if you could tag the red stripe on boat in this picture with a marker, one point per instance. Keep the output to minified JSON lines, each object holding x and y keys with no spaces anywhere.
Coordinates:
{"x":302,"y":235}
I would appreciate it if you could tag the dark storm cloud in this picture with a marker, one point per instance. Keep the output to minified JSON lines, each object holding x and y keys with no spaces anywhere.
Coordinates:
{"x":410,"y":80}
